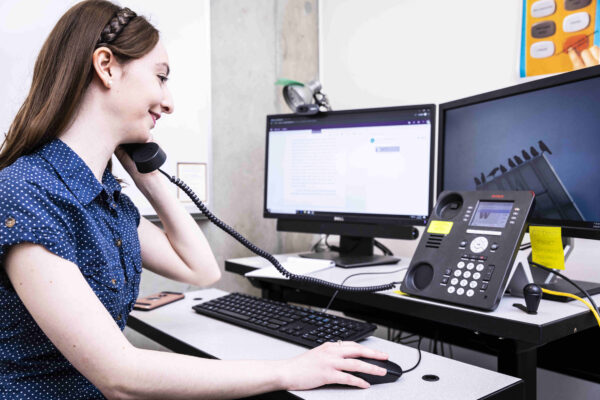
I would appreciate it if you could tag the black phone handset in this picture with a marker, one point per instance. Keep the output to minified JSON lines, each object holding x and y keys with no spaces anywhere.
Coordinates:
{"x":149,"y":157}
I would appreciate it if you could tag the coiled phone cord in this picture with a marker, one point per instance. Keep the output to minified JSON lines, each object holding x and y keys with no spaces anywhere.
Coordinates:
{"x":258,"y":251}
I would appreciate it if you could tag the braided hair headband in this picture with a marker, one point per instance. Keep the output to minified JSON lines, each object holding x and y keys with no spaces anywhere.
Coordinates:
{"x":116,"y":25}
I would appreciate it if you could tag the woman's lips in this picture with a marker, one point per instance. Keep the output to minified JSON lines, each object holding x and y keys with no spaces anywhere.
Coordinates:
{"x":154,"y":116}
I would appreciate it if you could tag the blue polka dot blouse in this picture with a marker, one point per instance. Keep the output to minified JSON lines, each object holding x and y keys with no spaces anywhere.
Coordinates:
{"x":52,"y":198}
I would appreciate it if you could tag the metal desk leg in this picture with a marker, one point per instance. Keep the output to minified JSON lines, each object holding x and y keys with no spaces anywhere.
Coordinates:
{"x":521,"y":364}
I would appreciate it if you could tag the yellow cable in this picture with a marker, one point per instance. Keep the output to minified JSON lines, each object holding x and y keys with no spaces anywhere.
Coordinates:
{"x":571,"y":295}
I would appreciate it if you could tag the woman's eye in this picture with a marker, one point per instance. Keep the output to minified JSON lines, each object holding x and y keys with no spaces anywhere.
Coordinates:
{"x":163,"y":78}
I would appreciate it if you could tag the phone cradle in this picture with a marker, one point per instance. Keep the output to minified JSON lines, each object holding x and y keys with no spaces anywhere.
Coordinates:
{"x":522,"y":274}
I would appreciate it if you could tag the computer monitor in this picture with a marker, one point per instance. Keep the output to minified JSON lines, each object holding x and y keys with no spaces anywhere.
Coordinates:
{"x":360,"y":174}
{"x":542,"y":136}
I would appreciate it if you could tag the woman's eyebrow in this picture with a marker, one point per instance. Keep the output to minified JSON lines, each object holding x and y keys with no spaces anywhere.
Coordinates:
{"x":164,"y":64}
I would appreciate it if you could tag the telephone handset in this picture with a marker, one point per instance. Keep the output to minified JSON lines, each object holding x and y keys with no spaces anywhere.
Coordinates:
{"x":468,"y":249}
{"x":149,"y":157}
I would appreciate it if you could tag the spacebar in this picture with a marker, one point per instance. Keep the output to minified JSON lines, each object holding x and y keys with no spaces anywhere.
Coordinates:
{"x":233,"y":314}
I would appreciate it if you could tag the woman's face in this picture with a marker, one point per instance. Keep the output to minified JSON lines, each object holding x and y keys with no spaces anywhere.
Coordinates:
{"x":141,"y":94}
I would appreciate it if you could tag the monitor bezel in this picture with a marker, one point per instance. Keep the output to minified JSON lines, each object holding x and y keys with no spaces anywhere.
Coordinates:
{"x":587,"y":229}
{"x":381,"y":219}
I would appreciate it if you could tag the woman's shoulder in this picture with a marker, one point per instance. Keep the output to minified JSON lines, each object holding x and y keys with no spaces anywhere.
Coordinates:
{"x":27,"y":175}
{"x":31,"y":168}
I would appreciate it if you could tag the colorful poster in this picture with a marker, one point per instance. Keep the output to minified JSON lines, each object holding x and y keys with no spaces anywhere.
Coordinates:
{"x":559,"y":36}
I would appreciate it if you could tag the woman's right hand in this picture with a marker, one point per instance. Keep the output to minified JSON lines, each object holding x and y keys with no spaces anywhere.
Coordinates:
{"x":331,"y":363}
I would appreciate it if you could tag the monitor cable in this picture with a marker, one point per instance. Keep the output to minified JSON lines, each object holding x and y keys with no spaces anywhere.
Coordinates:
{"x":269,"y":257}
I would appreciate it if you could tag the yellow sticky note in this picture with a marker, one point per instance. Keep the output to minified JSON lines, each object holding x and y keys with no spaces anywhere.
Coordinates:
{"x":440,"y":227}
{"x":546,"y":246}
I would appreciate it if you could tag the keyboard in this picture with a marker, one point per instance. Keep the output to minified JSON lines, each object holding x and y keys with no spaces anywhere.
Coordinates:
{"x":298,"y":325}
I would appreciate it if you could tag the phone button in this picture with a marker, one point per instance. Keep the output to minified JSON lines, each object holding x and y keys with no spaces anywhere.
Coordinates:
{"x":460,"y":291}
{"x":470,"y":292}
{"x":479,"y":244}
{"x":451,"y":289}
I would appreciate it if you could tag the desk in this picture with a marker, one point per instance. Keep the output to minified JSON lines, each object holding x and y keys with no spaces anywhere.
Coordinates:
{"x":558,"y":338}
{"x":178,"y":327}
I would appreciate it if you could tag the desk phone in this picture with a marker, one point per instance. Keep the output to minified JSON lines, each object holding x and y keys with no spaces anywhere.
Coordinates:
{"x":467,"y":251}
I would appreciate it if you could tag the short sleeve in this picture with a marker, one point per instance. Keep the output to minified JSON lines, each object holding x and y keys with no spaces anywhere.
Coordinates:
{"x":27,"y":214}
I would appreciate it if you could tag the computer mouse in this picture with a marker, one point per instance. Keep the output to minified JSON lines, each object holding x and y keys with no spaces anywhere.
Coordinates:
{"x":394,"y":371}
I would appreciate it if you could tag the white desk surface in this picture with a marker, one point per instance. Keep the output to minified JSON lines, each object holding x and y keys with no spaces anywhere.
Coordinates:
{"x":224,"y":341}
{"x":548,"y":311}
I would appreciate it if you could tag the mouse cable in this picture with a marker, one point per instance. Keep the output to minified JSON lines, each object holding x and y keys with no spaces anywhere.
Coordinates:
{"x":324,"y":310}
{"x":571,"y":295}
{"x":267,"y":256}
{"x":419,"y":360}
{"x":582,"y":290}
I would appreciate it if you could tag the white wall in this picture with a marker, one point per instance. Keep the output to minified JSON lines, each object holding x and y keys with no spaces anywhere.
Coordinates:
{"x":390,"y":52}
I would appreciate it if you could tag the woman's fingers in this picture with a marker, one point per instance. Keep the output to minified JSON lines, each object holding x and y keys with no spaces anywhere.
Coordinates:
{"x":355,"y":350}
{"x":587,"y":58}
{"x":344,"y":378}
{"x":575,"y":59}
{"x":356,"y":365}
{"x":595,"y":50}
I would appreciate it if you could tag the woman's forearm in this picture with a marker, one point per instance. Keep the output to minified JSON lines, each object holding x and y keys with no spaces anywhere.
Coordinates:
{"x":182,"y":231}
{"x":157,"y":375}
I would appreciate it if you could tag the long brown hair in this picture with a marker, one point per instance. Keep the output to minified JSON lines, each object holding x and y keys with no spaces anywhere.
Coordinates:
{"x":63,"y":71}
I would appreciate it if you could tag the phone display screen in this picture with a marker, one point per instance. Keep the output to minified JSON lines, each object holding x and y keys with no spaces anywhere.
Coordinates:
{"x":491,"y":214}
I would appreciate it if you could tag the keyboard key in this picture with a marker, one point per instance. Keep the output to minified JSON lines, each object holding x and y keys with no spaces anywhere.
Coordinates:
{"x":234,"y":314}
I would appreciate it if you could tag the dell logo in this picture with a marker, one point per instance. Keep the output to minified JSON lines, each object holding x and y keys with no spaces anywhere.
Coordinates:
{"x":338,"y":219}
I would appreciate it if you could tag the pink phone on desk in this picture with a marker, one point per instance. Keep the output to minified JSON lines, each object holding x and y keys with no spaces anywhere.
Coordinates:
{"x":157,"y":300}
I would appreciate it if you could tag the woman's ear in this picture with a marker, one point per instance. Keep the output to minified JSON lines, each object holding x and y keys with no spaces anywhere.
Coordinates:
{"x":105,"y":65}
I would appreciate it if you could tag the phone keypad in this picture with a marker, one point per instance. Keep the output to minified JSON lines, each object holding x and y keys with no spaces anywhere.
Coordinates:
{"x":462,"y":281}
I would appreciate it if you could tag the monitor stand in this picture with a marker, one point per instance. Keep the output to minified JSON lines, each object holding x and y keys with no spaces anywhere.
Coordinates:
{"x":353,"y":252}
{"x":522,"y":274}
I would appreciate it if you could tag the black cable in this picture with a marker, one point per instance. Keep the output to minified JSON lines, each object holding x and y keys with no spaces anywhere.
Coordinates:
{"x":419,"y":360}
{"x":383,"y":248}
{"x":399,"y":339}
{"x":332,"y":248}
{"x":582,"y":290}
{"x":360,"y":273}
{"x":258,"y":251}
{"x":316,"y":245}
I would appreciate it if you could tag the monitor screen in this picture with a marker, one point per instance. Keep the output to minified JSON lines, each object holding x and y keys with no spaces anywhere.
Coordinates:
{"x":351,"y":166}
{"x":542,"y":136}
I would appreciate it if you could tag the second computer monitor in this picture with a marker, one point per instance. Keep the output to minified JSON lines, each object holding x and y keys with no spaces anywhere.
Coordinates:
{"x":357,"y":173}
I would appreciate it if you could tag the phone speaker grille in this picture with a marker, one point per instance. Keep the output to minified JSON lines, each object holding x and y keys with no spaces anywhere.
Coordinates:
{"x":434,"y":241}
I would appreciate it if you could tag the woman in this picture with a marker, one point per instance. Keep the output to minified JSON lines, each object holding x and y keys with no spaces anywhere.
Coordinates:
{"x":72,"y":246}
